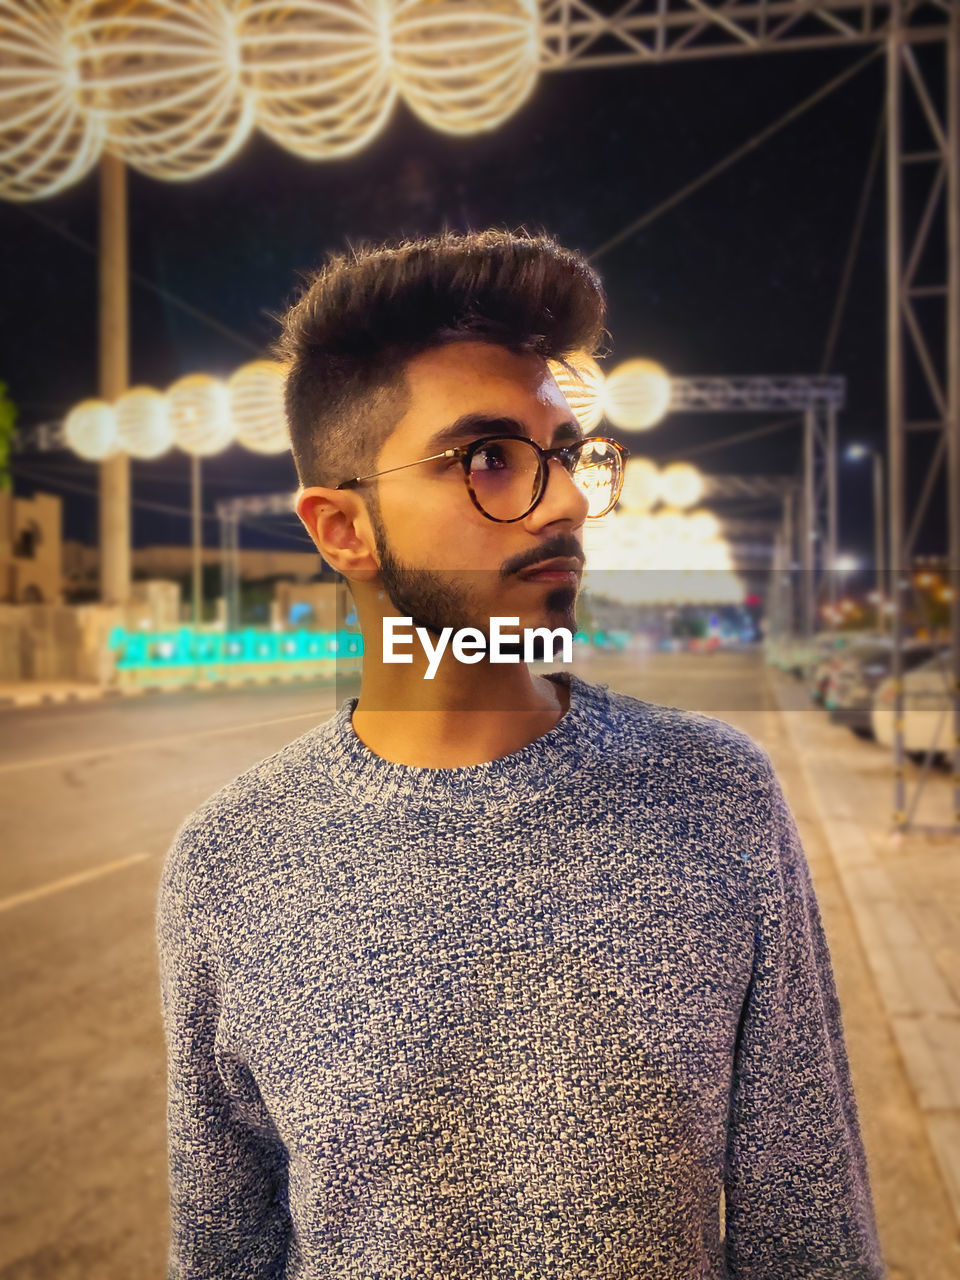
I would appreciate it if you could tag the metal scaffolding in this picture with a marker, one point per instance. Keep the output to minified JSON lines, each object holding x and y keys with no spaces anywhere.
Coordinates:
{"x":922,"y":43}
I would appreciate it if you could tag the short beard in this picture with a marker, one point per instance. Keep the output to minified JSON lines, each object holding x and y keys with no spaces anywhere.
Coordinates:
{"x":433,"y":603}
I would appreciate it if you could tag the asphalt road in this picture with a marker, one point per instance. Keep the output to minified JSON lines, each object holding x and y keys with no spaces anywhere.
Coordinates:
{"x":91,"y":796}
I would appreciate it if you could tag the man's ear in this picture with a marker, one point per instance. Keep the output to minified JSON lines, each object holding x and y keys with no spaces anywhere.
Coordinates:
{"x":338,"y":523}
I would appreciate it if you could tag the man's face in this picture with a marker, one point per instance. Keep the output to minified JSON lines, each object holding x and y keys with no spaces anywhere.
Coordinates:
{"x":442,"y":562}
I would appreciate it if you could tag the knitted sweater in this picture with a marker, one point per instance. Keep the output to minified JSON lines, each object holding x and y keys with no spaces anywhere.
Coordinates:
{"x":526,"y":1018}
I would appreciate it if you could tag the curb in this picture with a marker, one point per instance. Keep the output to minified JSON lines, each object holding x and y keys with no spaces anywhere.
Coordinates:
{"x":98,"y":693}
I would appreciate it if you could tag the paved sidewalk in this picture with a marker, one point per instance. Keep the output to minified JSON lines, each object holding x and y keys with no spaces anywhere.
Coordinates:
{"x":901,"y":895}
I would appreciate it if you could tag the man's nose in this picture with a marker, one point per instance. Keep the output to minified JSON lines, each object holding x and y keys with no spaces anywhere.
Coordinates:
{"x":562,"y":499}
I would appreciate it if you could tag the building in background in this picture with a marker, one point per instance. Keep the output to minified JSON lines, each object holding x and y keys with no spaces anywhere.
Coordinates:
{"x":31,"y":570}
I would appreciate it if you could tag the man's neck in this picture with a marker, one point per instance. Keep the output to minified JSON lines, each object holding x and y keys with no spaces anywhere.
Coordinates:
{"x":466,"y":715}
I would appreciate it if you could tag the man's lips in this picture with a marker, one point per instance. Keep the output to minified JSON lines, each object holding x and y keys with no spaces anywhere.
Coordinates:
{"x":560,"y":571}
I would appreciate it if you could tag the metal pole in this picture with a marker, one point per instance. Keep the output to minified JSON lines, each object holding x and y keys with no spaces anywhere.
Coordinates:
{"x":895,"y":395}
{"x":114,"y":479}
{"x":195,"y":503}
{"x":832,"y":502}
{"x":953,"y":378}
{"x":789,"y":538}
{"x":878,"y":532}
{"x":808,"y":525}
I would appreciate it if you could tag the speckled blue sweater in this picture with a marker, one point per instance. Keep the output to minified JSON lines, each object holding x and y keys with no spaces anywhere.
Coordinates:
{"x":521,"y":1019}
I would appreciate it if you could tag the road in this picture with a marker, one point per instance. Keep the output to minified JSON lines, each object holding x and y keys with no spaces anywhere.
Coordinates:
{"x":92,"y":794}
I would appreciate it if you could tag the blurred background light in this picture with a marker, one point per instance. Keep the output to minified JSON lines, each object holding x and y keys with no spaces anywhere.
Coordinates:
{"x":582,"y":389}
{"x":255,"y":405}
{"x":47,"y":141}
{"x":199,"y":410}
{"x":143,"y":423}
{"x":637,"y":394}
{"x":90,"y":430}
{"x":163,"y":78}
{"x":318,"y":73}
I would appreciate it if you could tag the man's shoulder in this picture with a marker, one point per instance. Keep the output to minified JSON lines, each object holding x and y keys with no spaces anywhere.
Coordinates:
{"x":675,"y":737}
{"x":247,"y":807}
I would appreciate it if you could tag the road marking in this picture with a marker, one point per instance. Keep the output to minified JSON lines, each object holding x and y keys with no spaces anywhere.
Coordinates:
{"x":71,"y":757}
{"x":30,"y":895}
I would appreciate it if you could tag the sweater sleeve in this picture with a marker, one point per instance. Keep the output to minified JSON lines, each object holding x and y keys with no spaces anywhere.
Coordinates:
{"x":227,"y":1164}
{"x":798,"y":1199}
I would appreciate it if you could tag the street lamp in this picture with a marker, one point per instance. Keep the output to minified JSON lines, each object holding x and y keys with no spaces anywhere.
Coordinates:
{"x":855,"y":453}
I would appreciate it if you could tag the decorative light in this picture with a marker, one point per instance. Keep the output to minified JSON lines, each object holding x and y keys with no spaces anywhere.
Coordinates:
{"x":846,"y":563}
{"x":637,"y":394}
{"x":641,"y":485}
{"x":174,"y":88}
{"x":46,"y":141}
{"x":681,"y":485}
{"x":164,"y":80}
{"x":703,"y":525}
{"x":318,"y":72}
{"x":90,"y":430}
{"x":582,"y":389}
{"x":200,"y":414}
{"x":143,"y":423}
{"x":255,"y":403}
{"x":465,"y":66}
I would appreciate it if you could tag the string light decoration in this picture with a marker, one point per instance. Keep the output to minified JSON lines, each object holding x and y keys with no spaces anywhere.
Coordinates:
{"x":668,"y":558}
{"x":164,"y":79}
{"x":582,"y":390}
{"x":174,"y":88}
{"x":90,"y":430}
{"x":637,"y":394}
{"x":199,"y":410}
{"x":641,"y":485}
{"x":46,"y":141}
{"x":465,"y":66}
{"x":255,"y":404}
{"x":318,"y":72}
{"x":143,"y":422}
{"x":681,"y":485}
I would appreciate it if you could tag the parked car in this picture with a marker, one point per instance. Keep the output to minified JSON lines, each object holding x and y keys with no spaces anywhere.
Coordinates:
{"x":857,"y":674}
{"x":927,"y":709}
{"x":830,"y":650}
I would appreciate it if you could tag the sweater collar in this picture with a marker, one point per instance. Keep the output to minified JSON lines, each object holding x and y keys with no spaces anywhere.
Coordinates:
{"x":508,"y":782}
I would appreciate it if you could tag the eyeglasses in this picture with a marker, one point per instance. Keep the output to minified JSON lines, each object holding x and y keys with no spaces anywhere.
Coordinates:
{"x":506,"y":476}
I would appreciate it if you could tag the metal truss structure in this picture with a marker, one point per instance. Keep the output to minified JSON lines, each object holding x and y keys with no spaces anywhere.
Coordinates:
{"x":231,"y":512}
{"x":921,"y":39}
{"x":818,"y":399}
{"x":575,"y":33}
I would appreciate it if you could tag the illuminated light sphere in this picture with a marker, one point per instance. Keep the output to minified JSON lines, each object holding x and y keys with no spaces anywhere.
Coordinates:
{"x":637,"y":394}
{"x":199,"y":409}
{"x":641,"y":485}
{"x":671,"y":525}
{"x":255,"y":394}
{"x":465,"y":66}
{"x":582,"y":389}
{"x":317,"y":71}
{"x":47,"y":142}
{"x":164,"y":79}
{"x":681,"y":485}
{"x":143,"y":423}
{"x":703,"y":525}
{"x":90,"y":430}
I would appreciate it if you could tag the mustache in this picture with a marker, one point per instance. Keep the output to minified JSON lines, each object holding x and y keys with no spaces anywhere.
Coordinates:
{"x":560,"y":545}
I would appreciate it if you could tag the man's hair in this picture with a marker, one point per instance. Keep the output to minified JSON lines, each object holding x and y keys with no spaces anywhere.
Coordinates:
{"x":364,"y":314}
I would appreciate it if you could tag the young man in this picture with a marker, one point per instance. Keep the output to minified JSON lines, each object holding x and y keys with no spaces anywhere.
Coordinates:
{"x":492,"y":975}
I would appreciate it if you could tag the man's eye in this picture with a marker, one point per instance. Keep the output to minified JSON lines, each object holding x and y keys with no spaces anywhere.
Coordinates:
{"x":490,"y":458}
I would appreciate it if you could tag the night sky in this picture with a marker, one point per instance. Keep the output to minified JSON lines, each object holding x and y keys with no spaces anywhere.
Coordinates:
{"x":741,"y":278}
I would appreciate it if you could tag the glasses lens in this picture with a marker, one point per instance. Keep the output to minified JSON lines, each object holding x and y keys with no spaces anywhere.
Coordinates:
{"x":597,"y":473}
{"x":504,"y":475}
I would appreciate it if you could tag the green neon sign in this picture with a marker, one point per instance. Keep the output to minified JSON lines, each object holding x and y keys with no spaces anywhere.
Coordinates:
{"x":184,"y":647}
